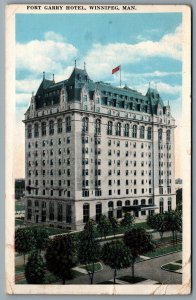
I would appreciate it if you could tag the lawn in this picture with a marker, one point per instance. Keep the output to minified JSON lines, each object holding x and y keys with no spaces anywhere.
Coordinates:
{"x":19,"y":222}
{"x":19,"y":205}
{"x":171,"y":267}
{"x":97,"y":267}
{"x":50,"y":230}
{"x":131,"y":280}
{"x":164,"y":250}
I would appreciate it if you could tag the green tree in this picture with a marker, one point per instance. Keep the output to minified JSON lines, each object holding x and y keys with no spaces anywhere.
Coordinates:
{"x":24,"y":241}
{"x":114,"y":225}
{"x":139,"y":242}
{"x":104,"y":226}
{"x":127,"y":221}
{"x":157,"y":222}
{"x":89,"y":248}
{"x":61,"y":257}
{"x":179,"y":199}
{"x":41,"y":239}
{"x":35,"y":269}
{"x":116,"y":255}
{"x":173,"y":221}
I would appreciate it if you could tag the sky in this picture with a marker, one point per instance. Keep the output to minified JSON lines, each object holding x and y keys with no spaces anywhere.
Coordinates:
{"x":148,"y":46}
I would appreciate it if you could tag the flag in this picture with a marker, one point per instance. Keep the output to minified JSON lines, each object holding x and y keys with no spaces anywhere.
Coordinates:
{"x":115,"y":69}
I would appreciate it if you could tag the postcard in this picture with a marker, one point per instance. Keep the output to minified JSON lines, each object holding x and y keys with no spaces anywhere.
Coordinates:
{"x":98,"y":149}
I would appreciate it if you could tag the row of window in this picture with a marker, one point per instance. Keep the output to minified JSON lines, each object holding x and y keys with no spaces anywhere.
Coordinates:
{"x":51,"y":182}
{"x":50,"y":143}
{"x":50,"y":192}
{"x":51,"y":152}
{"x":52,"y":215}
{"x":49,"y":172}
{"x":51,"y":126}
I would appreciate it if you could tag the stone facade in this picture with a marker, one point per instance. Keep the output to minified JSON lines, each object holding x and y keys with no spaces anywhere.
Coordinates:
{"x":94,"y":149}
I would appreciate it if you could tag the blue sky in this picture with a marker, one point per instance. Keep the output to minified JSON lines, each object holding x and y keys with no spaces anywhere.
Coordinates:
{"x":101,"y":40}
{"x":147,"y":45}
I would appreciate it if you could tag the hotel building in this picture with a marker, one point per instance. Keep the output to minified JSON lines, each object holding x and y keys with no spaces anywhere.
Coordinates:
{"x":92,"y":148}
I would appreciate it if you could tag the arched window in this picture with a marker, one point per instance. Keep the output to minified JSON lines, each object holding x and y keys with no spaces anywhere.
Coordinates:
{"x":127,"y":130}
{"x":149,"y":133}
{"x":161,"y":206}
{"x":119,"y":203}
{"x":29,"y":203}
{"x":127,"y":203}
{"x":98,"y":211}
{"x":68,"y":124}
{"x":109,"y":129}
{"x":85,"y":124}
{"x":160,"y":134}
{"x":134,"y":131}
{"x":150,"y":202}
{"x":118,"y":129}
{"x":168,"y":135}
{"x":142,"y":132}
{"x":59,"y":125}
{"x":51,"y":211}
{"x":97,"y":126}
{"x":143,"y":202}
{"x":51,"y":127}
{"x":119,"y":209}
{"x":43,"y":128}
{"x":110,"y":204}
{"x":29,"y":131}
{"x":60,"y":212}
{"x":135,"y":202}
{"x":86,"y":215}
{"x":169,"y":204}
{"x":36,"y":130}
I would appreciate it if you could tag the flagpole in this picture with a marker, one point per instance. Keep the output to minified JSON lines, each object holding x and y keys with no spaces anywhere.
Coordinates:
{"x":120,"y":76}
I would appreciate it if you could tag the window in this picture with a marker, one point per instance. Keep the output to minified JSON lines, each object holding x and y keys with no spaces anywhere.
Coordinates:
{"x":109,"y":129}
{"x":43,"y":128}
{"x":143,"y":202}
{"x":160,"y":133}
{"x":168,"y":136}
{"x":161,"y":207}
{"x":29,"y":131}
{"x":118,"y":129}
{"x":85,"y":193}
{"x":110,"y":204}
{"x":98,"y":211}
{"x":149,"y":133}
{"x":150,"y":202}
{"x":36,"y":130}
{"x":127,"y":203}
{"x":68,"y":124}
{"x":119,"y":209}
{"x":86,"y":212}
{"x":51,"y":211}
{"x":169,"y":204}
{"x":85,"y":124}
{"x":68,"y":213}
{"x":97,"y":126}
{"x":135,"y":202}
{"x":59,"y":125}
{"x":134,"y":131}
{"x":59,"y":212}
{"x":142,"y":132}
{"x":51,"y":127}
{"x":127,"y":130}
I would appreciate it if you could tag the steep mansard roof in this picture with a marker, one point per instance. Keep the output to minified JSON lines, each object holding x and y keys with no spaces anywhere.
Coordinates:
{"x":48,"y":93}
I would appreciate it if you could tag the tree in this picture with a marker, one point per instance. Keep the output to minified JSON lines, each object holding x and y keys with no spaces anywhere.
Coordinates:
{"x":116,"y":255}
{"x":139,"y":242}
{"x":114,"y":225}
{"x":24,"y":241}
{"x":34,"y":269}
{"x":157,"y":222}
{"x":89,"y":249}
{"x":127,"y":221}
{"x":61,"y":257}
{"x":41,"y":239}
{"x":173,"y":221}
{"x":104,"y":226}
{"x":179,"y":199}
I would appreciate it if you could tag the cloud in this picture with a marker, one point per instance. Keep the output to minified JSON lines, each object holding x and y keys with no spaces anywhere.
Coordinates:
{"x":41,"y":55}
{"x":53,"y":36}
{"x":102,"y":58}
